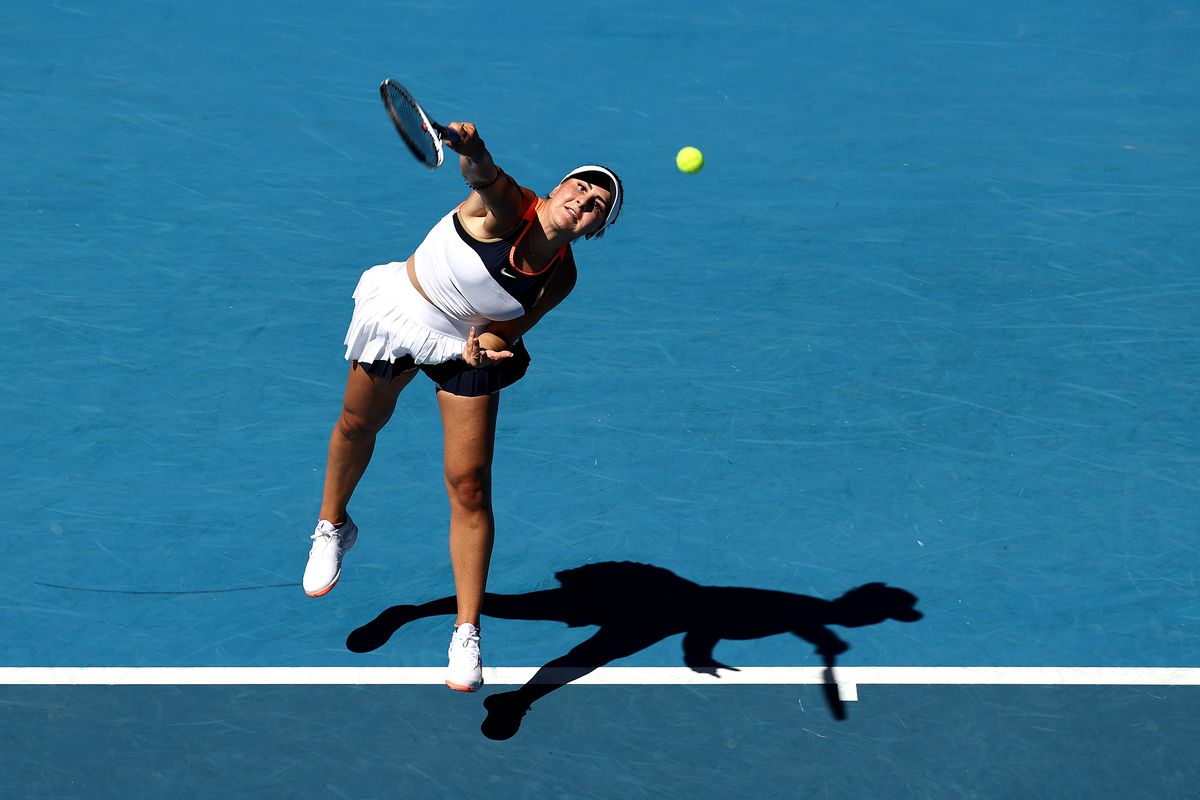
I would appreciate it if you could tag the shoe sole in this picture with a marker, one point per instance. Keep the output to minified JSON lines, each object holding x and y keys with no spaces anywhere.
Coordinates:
{"x":328,"y":588}
{"x":458,"y":687}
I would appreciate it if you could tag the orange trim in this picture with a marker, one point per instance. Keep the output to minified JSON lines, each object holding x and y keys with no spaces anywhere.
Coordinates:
{"x":327,"y":589}
{"x":529,"y":215}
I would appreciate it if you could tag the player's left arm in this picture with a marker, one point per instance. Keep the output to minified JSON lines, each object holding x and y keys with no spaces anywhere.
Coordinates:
{"x":499,"y":335}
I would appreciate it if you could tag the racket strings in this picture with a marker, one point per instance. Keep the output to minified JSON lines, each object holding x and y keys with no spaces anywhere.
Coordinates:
{"x":412,"y":127}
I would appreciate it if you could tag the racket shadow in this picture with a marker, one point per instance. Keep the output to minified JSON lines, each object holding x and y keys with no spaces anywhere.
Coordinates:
{"x":637,"y":605}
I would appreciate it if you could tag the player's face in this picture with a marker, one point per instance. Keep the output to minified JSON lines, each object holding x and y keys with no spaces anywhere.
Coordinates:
{"x":581,"y":206}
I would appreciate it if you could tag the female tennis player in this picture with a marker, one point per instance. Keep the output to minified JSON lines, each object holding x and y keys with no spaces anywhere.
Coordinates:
{"x":485,"y":274}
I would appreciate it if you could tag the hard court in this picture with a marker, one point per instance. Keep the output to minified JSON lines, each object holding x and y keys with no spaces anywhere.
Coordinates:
{"x":925,"y":323}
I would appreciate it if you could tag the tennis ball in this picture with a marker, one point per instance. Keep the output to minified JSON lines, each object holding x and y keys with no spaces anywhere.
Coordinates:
{"x":689,"y":160}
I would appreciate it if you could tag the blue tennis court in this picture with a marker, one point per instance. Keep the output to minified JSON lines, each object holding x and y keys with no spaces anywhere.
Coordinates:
{"x":925,"y":323}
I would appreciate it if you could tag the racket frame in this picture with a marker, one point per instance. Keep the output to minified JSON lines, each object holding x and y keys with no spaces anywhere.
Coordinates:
{"x":433,"y":130}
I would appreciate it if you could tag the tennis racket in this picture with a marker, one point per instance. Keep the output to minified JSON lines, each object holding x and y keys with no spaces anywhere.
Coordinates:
{"x":422,"y":135}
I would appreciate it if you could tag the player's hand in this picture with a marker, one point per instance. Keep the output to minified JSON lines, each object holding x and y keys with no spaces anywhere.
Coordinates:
{"x":478,"y":356}
{"x":469,"y":144}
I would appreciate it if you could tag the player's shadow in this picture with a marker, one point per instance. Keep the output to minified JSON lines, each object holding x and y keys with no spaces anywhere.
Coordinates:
{"x":637,"y":605}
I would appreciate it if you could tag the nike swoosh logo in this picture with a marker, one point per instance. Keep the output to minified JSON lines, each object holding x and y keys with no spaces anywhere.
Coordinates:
{"x":504,"y":271}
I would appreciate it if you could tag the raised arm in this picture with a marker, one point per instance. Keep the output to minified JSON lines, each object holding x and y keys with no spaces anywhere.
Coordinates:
{"x":496,"y":201}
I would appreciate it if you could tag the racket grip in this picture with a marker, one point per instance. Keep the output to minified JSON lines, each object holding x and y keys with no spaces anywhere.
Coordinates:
{"x":446,"y":133}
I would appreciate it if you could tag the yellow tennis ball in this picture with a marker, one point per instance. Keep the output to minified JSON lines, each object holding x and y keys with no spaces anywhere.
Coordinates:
{"x":689,"y":160}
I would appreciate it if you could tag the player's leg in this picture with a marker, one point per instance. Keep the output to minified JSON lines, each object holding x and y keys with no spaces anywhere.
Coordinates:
{"x":367,"y":405}
{"x":469,"y":427}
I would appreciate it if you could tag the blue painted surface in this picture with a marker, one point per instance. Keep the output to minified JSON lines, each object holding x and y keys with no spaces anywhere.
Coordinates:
{"x":636,"y":742}
{"x":926,"y":317}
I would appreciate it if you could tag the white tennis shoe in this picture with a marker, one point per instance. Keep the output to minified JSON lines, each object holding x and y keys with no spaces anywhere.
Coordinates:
{"x":465,"y":672}
{"x":330,"y":543}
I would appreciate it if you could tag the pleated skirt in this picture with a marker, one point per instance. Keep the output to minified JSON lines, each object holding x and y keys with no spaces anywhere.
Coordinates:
{"x":391,"y":320}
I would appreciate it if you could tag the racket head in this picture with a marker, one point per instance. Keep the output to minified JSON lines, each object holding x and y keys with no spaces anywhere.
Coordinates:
{"x":422,"y":135}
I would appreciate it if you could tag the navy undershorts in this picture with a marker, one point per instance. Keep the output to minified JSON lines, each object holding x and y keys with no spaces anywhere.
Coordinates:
{"x":457,"y":376}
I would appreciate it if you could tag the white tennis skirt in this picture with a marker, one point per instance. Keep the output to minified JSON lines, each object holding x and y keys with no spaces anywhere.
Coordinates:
{"x":391,"y":320}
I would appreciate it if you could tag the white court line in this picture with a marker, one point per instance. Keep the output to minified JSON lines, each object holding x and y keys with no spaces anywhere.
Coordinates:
{"x":848,"y":678}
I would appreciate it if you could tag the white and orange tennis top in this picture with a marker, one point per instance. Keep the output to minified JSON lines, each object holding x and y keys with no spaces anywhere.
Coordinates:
{"x":469,"y":283}
{"x":478,"y":280}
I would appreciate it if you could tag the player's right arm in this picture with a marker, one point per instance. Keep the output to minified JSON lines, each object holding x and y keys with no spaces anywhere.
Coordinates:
{"x":496,"y":201}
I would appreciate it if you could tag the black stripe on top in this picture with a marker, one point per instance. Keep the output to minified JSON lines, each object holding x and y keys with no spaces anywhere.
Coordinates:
{"x":525,"y":289}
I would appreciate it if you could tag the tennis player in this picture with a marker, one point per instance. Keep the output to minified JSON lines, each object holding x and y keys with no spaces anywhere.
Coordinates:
{"x":485,"y":274}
